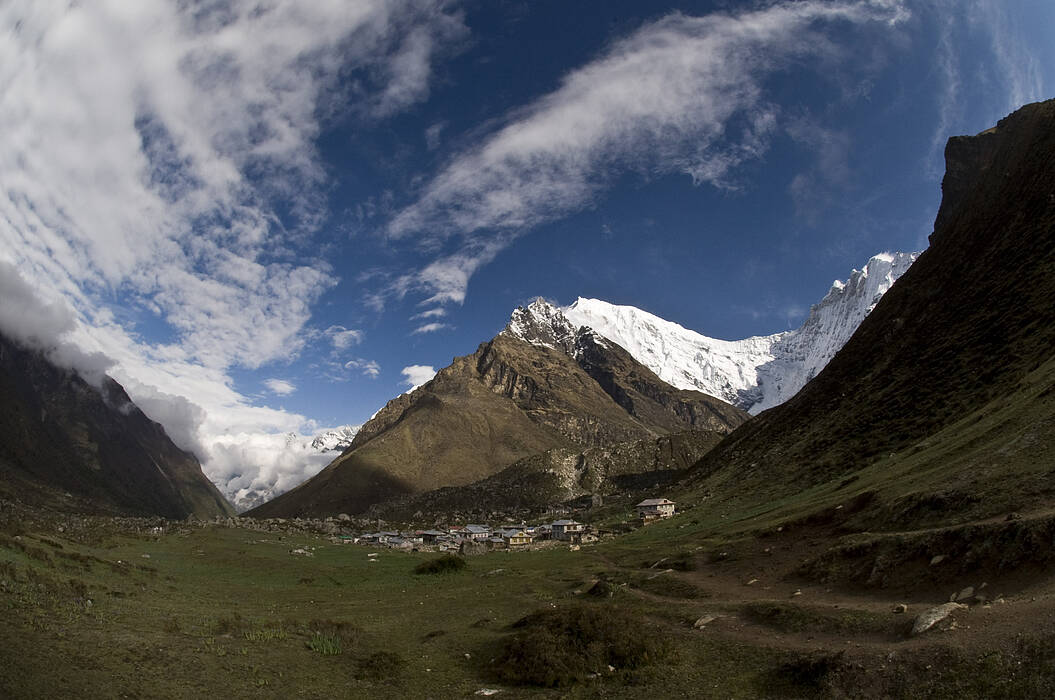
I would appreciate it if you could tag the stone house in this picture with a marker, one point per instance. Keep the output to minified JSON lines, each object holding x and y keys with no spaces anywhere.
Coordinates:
{"x":655,"y":508}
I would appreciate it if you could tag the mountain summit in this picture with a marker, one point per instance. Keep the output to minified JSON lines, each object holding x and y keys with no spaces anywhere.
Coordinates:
{"x":755,"y":373}
{"x":540,"y":384}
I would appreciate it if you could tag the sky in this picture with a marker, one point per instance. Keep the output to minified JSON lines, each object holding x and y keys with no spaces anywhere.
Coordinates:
{"x":269,"y":217}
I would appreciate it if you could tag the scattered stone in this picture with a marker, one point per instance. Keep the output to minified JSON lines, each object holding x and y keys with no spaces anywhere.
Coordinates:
{"x":145,"y":556}
{"x":300,"y":551}
{"x":965,"y":594}
{"x":486,"y":691}
{"x":797,"y":592}
{"x":611,"y":668}
{"x":495,"y":572}
{"x":660,"y":573}
{"x":900,"y":608}
{"x":704,"y":621}
{"x":938,"y":559}
{"x":468,"y":656}
{"x":928,"y":618}
{"x":344,"y":517}
{"x":751,"y":582}
{"x":1013,"y":516}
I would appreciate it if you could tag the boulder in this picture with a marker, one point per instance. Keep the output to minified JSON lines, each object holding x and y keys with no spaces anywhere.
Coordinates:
{"x":928,"y":618}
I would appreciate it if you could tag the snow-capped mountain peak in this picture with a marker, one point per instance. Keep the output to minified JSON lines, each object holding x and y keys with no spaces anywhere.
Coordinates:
{"x":337,"y":439}
{"x":755,"y":373}
{"x":542,"y":323}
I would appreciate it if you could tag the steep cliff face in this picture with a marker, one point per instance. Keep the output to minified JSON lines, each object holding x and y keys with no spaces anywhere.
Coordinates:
{"x":537,"y":386}
{"x":948,"y":381}
{"x":71,"y":446}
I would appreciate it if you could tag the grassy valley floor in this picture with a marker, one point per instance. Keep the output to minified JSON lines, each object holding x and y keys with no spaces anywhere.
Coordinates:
{"x":103,"y":610}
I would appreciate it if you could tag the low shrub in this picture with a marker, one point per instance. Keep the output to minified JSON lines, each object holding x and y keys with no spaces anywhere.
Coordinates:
{"x":558,"y":647}
{"x":446,"y":564}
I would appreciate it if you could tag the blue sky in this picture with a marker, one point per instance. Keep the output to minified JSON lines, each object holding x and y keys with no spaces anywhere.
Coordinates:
{"x":274,"y":217}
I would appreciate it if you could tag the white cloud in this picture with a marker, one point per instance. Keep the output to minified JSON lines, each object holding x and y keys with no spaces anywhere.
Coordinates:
{"x":343,"y":338}
{"x":280,"y":387}
{"x":416,"y":375}
{"x":430,"y":328}
{"x":369,"y":368}
{"x":45,"y":325}
{"x":161,"y":156}
{"x":680,"y":95}
{"x":438,"y":312}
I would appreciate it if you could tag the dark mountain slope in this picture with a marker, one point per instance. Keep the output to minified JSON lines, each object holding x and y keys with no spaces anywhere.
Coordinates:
{"x":965,"y":335}
{"x":515,"y":397}
{"x":70,"y":446}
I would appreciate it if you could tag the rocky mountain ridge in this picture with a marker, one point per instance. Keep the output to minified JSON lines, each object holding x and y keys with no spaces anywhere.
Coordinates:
{"x":528,"y":390}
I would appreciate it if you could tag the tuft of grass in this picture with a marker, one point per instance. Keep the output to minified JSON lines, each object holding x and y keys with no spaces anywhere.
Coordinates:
{"x":562,"y":646}
{"x":264,"y":634}
{"x":446,"y":564}
{"x":325,"y":644}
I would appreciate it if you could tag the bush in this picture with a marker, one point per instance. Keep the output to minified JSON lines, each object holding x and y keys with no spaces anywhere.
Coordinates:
{"x":558,"y":647}
{"x":446,"y":564}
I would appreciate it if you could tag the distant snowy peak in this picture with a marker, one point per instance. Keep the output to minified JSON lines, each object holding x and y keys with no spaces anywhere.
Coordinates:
{"x":335,"y":440}
{"x":755,"y":373}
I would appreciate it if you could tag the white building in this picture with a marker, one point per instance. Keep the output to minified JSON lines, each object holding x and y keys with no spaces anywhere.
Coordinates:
{"x":655,"y":508}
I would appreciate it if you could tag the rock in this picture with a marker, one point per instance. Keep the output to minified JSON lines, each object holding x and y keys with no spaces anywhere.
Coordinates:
{"x":704,"y":621}
{"x":796,"y":593}
{"x":344,"y":517}
{"x":965,"y":594}
{"x":751,"y":582}
{"x":484,"y":691}
{"x":900,"y":608}
{"x":938,"y":559}
{"x":928,"y":618}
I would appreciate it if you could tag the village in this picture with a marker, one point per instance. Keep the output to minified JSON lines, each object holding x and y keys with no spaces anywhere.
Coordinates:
{"x":478,"y":538}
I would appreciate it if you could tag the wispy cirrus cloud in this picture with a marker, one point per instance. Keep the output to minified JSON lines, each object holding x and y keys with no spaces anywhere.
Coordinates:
{"x":430,"y":328}
{"x":680,"y":95}
{"x":160,"y":157}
